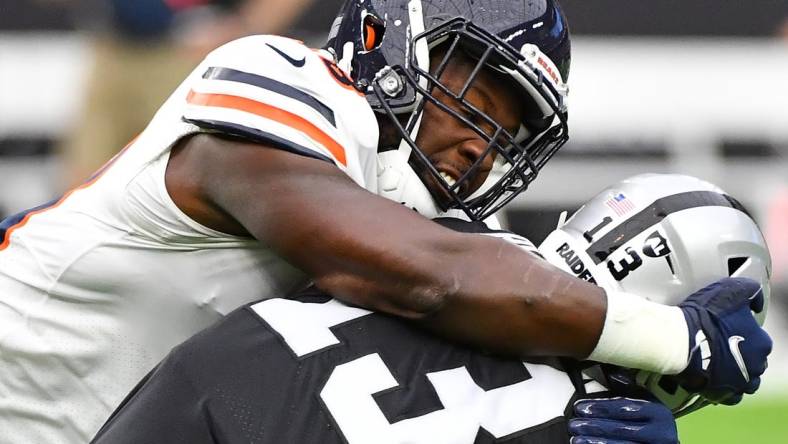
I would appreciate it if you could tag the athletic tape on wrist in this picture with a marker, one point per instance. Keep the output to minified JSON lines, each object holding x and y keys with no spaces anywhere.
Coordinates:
{"x":642,"y":334}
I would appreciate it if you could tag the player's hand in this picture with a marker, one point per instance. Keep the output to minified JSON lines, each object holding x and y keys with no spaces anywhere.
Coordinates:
{"x":622,"y":421}
{"x":728,"y":349}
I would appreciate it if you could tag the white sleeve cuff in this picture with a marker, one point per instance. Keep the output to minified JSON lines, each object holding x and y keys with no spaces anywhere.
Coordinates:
{"x":642,"y":334}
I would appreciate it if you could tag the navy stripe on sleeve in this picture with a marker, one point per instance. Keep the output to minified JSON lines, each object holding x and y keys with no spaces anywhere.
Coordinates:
{"x":266,"y":83}
{"x":15,"y":219}
{"x":245,"y":132}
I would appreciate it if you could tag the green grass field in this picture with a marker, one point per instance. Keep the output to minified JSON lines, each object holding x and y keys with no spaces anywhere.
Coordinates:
{"x":761,"y":420}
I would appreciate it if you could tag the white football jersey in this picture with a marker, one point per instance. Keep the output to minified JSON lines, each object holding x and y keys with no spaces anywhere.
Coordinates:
{"x":97,"y":287}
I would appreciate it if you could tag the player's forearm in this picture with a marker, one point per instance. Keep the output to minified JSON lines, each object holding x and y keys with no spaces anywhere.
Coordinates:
{"x":477,"y":290}
{"x":488,"y":293}
{"x":515,"y":303}
{"x":531,"y":308}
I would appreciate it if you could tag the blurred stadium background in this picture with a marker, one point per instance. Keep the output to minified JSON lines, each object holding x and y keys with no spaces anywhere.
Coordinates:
{"x":694,"y":86}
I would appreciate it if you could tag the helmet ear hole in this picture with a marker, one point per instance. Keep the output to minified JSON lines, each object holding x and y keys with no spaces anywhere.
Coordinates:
{"x":735,"y":263}
{"x":373,"y":30}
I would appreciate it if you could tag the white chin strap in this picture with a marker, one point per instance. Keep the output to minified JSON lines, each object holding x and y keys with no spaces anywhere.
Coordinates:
{"x":398,"y":182}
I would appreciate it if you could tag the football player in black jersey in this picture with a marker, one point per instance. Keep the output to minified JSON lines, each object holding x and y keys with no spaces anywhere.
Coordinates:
{"x":310,"y":369}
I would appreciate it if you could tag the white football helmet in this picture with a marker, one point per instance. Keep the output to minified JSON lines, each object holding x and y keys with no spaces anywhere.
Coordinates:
{"x":661,"y":237}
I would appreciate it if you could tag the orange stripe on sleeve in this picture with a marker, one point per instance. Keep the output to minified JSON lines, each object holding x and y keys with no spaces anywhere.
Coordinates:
{"x":270,"y":112}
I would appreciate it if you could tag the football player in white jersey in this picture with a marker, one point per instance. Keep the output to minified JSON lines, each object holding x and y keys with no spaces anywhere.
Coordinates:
{"x":265,"y":169}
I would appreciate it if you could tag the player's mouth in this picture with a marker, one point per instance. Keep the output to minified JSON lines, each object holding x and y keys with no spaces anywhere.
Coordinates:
{"x":447,"y":177}
{"x":452,"y":176}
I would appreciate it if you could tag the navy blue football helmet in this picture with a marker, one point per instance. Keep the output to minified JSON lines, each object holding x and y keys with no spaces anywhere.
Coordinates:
{"x":385,"y":46}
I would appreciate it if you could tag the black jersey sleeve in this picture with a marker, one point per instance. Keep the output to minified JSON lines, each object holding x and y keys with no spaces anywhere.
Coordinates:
{"x":163,"y":408}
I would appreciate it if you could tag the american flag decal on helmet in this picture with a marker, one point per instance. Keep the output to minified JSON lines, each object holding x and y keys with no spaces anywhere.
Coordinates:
{"x":620,"y":204}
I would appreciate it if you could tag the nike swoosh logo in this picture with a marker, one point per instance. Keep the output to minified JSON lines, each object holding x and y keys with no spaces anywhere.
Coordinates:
{"x":733,"y":343}
{"x":292,"y":61}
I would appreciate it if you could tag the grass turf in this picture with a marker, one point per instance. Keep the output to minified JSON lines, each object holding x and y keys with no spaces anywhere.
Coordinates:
{"x":754,"y":421}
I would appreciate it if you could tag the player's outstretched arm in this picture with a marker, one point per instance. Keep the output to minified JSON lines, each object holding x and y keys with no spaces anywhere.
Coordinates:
{"x":369,"y":251}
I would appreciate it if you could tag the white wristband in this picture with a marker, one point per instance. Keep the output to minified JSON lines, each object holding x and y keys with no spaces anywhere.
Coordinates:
{"x":642,"y":334}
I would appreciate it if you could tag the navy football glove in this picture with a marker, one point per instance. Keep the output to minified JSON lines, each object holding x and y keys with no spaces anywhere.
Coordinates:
{"x":728,"y":349}
{"x":622,"y":421}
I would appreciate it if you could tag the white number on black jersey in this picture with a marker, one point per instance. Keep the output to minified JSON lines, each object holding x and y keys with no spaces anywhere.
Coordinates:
{"x":350,"y":392}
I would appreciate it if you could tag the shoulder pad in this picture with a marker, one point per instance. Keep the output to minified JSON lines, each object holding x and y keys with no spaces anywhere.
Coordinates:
{"x":277,"y":91}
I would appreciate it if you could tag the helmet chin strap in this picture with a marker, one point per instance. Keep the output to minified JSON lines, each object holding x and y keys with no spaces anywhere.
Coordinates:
{"x":397,"y":181}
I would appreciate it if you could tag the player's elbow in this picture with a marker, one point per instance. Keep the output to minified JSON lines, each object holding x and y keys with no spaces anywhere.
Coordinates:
{"x":424,"y":302}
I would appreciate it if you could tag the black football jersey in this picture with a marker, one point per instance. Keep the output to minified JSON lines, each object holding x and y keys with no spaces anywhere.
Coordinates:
{"x":313,"y":370}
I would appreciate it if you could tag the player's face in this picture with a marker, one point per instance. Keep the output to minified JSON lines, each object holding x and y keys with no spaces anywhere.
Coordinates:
{"x":451,"y":145}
